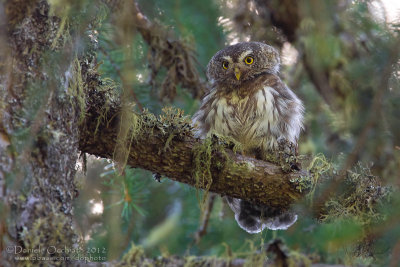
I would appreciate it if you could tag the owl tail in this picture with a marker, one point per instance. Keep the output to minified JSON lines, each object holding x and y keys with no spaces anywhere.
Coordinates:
{"x":254,"y":218}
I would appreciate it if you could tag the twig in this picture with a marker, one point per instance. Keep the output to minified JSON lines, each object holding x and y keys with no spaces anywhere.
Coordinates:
{"x":395,"y":260}
{"x":168,"y":52}
{"x":206,"y":217}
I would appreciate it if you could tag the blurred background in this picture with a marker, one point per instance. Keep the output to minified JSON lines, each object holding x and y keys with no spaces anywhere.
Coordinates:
{"x":340,"y":57}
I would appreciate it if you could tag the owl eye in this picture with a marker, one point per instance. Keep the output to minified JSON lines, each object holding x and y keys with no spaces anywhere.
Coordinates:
{"x":225,"y":64}
{"x":249,"y":60}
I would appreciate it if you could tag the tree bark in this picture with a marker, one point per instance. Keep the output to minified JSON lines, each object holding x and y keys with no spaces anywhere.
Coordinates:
{"x":39,"y":134}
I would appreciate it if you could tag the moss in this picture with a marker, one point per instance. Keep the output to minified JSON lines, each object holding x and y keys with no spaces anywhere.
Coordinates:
{"x":193,"y":261}
{"x":304,"y":183}
{"x":359,"y":198}
{"x":228,"y":142}
{"x":130,"y":126}
{"x":318,"y":166}
{"x":134,"y":257}
{"x":280,"y":256}
{"x":255,"y":259}
{"x":109,"y":87}
{"x":76,"y":89}
{"x":63,"y":23}
{"x":171,"y":123}
{"x":101,"y":118}
{"x":47,"y":234}
{"x":284,"y":155}
{"x":202,"y":169}
{"x":17,"y":10}
{"x":176,"y":122}
{"x":298,"y":259}
{"x":202,"y":158}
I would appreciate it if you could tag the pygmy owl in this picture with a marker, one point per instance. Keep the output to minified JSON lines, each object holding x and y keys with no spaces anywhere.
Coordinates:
{"x":249,"y":103}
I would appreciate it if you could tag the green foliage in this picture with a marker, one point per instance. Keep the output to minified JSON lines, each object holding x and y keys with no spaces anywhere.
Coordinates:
{"x":130,"y":187}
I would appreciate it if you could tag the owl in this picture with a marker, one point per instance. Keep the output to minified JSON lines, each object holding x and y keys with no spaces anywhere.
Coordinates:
{"x":249,"y":103}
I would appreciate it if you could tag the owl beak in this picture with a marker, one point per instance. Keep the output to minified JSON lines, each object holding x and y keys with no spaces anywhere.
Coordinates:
{"x":237,"y":73}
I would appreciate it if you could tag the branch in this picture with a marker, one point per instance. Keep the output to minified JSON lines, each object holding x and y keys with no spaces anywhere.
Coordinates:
{"x":205,"y":219}
{"x":167,"y":147}
{"x":169,"y":52}
{"x":275,"y":253}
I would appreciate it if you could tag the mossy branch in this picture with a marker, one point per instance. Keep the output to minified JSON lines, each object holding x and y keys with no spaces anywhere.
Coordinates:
{"x":166,"y":146}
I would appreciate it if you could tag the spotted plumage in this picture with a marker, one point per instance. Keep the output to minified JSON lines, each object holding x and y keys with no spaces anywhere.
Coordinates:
{"x":250,"y":103}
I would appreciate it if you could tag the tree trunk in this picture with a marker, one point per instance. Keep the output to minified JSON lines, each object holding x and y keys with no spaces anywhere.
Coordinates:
{"x":39,"y":135}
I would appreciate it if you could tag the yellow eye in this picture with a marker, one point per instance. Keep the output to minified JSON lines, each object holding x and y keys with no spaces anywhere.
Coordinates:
{"x":225,"y":64}
{"x":249,"y":60}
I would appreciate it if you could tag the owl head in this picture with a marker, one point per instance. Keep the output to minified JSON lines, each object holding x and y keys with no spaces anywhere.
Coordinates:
{"x":240,"y":63}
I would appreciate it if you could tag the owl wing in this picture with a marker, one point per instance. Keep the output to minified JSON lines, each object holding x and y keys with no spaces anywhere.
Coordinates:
{"x":200,"y":120}
{"x":286,"y":109}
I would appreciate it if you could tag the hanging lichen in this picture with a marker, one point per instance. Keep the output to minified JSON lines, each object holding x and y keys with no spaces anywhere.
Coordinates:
{"x":359,"y":199}
{"x":202,"y":169}
{"x":130,"y":126}
{"x":76,"y":88}
{"x":317,"y":167}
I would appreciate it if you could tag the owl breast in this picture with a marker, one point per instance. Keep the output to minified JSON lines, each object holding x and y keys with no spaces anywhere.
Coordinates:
{"x":256,"y":115}
{"x":252,"y":120}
